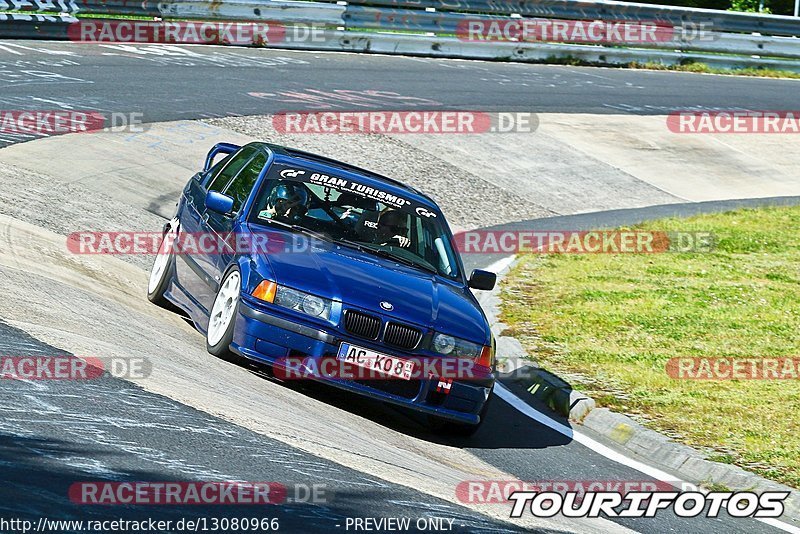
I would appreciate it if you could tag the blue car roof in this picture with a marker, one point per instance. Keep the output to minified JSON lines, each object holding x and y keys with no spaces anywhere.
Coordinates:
{"x":294,"y":156}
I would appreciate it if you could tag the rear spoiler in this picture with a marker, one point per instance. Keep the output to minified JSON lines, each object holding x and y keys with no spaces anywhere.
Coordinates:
{"x":219,"y":148}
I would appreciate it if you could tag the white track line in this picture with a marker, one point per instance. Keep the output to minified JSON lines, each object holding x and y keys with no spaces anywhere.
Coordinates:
{"x":504,"y":393}
{"x":501,"y":265}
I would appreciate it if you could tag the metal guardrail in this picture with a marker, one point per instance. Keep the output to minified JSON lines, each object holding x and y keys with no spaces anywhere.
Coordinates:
{"x":450,"y":47}
{"x":683,"y":38}
{"x":607,"y":10}
{"x":765,"y":43}
{"x":723,"y":21}
{"x":284,"y":10}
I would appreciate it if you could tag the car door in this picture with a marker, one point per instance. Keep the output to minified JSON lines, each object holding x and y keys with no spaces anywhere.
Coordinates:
{"x":196,"y":270}
{"x":221,"y":225}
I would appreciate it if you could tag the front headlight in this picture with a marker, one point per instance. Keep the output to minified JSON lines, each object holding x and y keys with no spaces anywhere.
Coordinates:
{"x":313,"y":305}
{"x":443,"y":344}
{"x":303,"y":302}
{"x":293,"y":299}
{"x":453,"y":346}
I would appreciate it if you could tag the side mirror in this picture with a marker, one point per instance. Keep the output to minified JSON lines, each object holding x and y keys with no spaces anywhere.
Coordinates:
{"x":482,"y":280}
{"x":218,"y":202}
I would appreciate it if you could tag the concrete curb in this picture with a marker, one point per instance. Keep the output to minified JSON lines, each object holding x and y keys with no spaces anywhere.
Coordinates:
{"x":648,"y":445}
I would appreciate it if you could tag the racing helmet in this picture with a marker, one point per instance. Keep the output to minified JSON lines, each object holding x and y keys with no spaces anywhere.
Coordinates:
{"x":288,"y":200}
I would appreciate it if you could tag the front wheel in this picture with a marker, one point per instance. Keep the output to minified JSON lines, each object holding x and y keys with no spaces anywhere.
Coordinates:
{"x":222,"y":320}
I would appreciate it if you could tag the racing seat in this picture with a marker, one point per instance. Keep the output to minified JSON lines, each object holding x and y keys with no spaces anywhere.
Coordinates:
{"x":367,"y":226}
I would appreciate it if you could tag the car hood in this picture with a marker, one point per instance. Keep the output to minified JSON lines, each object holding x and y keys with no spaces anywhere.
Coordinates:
{"x":364,"y":281}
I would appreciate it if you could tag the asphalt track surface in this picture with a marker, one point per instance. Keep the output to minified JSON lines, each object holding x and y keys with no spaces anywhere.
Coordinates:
{"x":50,"y":438}
{"x":188,"y":82}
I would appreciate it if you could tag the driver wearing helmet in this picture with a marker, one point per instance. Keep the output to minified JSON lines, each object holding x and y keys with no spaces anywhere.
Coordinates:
{"x":287,"y":202}
{"x":393,"y":229}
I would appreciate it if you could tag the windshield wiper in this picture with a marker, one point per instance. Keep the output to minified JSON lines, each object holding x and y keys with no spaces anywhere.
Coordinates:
{"x":312,"y":233}
{"x":354,"y":244}
{"x":388,"y":255}
{"x":411,"y":263}
{"x":298,"y":228}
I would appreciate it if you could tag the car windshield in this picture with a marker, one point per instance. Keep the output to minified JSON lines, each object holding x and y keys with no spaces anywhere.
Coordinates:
{"x":356,"y":215}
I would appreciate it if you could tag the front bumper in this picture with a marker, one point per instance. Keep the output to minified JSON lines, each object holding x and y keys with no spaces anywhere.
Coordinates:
{"x":267,"y":337}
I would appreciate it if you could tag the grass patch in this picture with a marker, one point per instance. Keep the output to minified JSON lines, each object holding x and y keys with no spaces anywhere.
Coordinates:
{"x":688,"y":66}
{"x":613,"y":321}
{"x":705,"y":69}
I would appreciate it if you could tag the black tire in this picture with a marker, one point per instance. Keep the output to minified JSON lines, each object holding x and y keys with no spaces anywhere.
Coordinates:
{"x":221,"y":349}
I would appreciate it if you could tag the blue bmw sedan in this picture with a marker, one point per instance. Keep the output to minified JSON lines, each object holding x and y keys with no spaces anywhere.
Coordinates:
{"x":329,"y":272}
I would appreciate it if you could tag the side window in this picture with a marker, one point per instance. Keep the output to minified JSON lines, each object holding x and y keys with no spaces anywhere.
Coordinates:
{"x":214,"y":170}
{"x":243,"y":183}
{"x":234,"y":165}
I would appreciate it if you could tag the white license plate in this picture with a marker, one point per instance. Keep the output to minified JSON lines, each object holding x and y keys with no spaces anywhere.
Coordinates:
{"x":381,"y":363}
